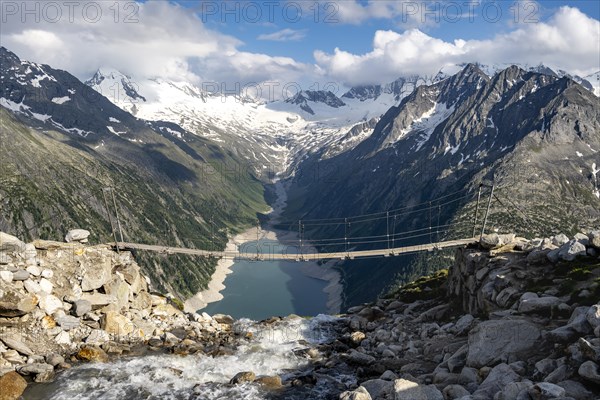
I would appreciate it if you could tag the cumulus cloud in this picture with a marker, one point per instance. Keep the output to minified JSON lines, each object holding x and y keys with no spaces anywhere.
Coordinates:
{"x":284,"y":35}
{"x":153,"y":39}
{"x":166,"y":40}
{"x":568,"y":40}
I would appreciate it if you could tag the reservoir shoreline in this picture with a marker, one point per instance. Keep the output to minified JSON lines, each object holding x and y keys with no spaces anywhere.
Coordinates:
{"x":323,"y":272}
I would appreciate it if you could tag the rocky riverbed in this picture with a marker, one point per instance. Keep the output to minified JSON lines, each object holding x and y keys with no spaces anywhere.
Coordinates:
{"x":510,"y":319}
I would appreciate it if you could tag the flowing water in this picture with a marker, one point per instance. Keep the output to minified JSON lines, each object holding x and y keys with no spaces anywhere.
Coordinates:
{"x":172,"y":377}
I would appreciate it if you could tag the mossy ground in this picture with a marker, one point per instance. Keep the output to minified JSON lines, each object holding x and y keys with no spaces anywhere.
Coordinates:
{"x":424,"y":288}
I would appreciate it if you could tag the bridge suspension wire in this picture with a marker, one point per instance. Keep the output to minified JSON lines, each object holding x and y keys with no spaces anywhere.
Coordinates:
{"x":381,"y":214}
{"x":374,"y":217}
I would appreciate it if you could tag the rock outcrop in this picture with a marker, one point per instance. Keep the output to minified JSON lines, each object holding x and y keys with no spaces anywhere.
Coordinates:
{"x":511,"y":321}
{"x":68,"y":301}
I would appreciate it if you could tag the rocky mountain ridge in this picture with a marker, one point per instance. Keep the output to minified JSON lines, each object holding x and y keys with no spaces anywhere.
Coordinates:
{"x":63,"y":145}
{"x":535,"y":136}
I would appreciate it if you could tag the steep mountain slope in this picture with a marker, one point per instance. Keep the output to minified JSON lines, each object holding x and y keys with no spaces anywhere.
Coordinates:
{"x":62,"y":143}
{"x":535,"y":136}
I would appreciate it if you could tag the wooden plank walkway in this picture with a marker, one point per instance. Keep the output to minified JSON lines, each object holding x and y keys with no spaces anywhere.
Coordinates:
{"x":294,"y":255}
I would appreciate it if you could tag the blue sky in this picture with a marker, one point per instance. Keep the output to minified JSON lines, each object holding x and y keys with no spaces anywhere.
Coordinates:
{"x":349,"y":42}
{"x":322,"y":25}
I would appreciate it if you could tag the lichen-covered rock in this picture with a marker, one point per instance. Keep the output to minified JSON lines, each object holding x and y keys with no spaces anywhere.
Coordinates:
{"x":13,"y":385}
{"x":92,"y":354}
{"x":243,"y":377}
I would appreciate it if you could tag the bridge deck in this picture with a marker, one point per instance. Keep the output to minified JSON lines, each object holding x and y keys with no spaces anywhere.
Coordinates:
{"x":295,"y":256}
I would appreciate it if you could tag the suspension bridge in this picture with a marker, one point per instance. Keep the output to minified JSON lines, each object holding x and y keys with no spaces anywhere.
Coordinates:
{"x":431,"y":235}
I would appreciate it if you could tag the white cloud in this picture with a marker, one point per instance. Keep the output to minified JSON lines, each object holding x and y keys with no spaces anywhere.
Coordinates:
{"x":284,"y":35}
{"x":167,"y":41}
{"x":568,"y":40}
{"x":171,"y":42}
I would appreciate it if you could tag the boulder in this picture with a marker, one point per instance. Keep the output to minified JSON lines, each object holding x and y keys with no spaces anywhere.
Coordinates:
{"x":6,"y":276}
{"x":98,"y":300}
{"x":594,"y":237}
{"x":20,"y":275}
{"x":458,"y":360}
{"x":97,"y":337}
{"x":514,"y":390}
{"x":506,"y":297}
{"x":590,"y":372}
{"x":96,"y":275}
{"x":464,"y":324}
{"x":77,"y":235}
{"x":116,"y":324}
{"x":13,"y":385}
{"x":559,"y":374}
{"x":46,"y":286}
{"x":371,"y":313}
{"x":15,"y":304}
{"x":545,"y":391}
{"x":496,"y":341}
{"x":378,"y":388}
{"x":43,"y":372}
{"x":54,"y":359}
{"x":68,"y":322}
{"x":571,"y":250}
{"x":593,"y":316}
{"x":132,"y":276}
{"x":553,"y":256}
{"x":357,"y":337}
{"x":408,"y":390}
{"x":560,"y":239}
{"x":119,"y":289}
{"x":13,"y":342}
{"x":81,"y":307}
{"x":142,"y":301}
{"x":539,"y":305}
{"x":577,"y":326}
{"x":47,"y":273}
{"x":359,"y":394}
{"x":498,"y":378}
{"x":223,"y":319}
{"x":455,"y":392}
{"x":576,"y":390}
{"x":34,"y":270}
{"x":32,"y":286}
{"x":9,"y":243}
{"x":63,"y":338}
{"x":50,"y":304}
{"x":270,"y":382}
{"x":243,"y":377}
{"x":388,"y":376}
{"x":92,"y":354}
{"x":358,"y":358}
{"x":167,"y":310}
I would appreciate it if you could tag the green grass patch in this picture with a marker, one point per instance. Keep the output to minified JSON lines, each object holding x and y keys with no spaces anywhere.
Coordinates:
{"x":425,"y":288}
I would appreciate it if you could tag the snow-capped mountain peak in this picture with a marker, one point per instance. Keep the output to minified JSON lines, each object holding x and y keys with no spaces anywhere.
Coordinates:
{"x":326,"y":97}
{"x":118,"y":87}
